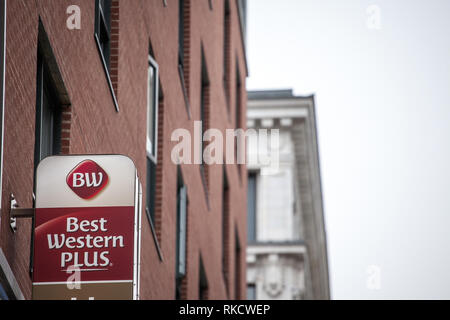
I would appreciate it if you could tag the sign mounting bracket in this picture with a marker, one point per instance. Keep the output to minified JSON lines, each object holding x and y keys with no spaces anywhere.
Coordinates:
{"x":18,"y":213}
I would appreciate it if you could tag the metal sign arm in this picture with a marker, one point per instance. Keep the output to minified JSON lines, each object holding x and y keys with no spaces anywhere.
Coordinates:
{"x":16,"y":212}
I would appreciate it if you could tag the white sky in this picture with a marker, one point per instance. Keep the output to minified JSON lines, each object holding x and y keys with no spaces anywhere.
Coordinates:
{"x":383,"y":112}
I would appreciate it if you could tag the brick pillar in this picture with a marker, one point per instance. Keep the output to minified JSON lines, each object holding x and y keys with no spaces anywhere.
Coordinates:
{"x":187,"y":44}
{"x":66,"y":123}
{"x":159,"y":173}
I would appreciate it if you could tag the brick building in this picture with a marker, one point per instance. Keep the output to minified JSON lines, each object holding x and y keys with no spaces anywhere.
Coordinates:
{"x":102,"y":77}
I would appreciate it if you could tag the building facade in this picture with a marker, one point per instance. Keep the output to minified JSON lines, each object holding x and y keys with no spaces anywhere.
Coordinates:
{"x":119,"y":77}
{"x":286,"y":253}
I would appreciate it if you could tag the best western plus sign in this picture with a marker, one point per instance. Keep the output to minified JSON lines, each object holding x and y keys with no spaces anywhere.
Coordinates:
{"x":86,"y":236}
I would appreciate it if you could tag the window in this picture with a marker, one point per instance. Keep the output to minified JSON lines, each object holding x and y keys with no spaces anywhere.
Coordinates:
{"x":107,"y":46}
{"x":238,"y":98}
{"x":204,"y":121}
{"x":239,"y":145}
{"x":181,"y":236}
{"x":103,"y":29}
{"x":183,"y":20}
{"x":204,"y":105}
{"x":251,"y":207}
{"x":202,"y":283}
{"x":226,"y":51}
{"x":2,"y":85}
{"x":251,"y":291}
{"x":225,"y":225}
{"x":237,"y":268}
{"x":48,"y":115}
{"x":152,"y":137}
{"x":181,"y":33}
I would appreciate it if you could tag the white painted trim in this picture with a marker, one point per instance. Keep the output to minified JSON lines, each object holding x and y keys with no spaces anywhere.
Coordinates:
{"x":276,"y":113}
{"x":135,"y":239}
{"x":138,"y":279}
{"x":283,"y":103}
{"x":276,"y":248}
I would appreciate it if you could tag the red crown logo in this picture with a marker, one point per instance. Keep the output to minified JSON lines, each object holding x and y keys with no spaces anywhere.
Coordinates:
{"x":87,"y":179}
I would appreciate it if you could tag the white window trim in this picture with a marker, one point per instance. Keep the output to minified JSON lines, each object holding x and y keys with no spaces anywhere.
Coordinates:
{"x":153,"y":155}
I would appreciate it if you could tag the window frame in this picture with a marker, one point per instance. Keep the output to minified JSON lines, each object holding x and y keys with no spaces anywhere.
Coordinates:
{"x":225,"y":227}
{"x":181,"y":270}
{"x":46,"y":88}
{"x":226,"y":54}
{"x":153,"y":152}
{"x":100,"y":20}
{"x":203,"y":283}
{"x":205,"y":106}
{"x":255,"y":197}
{"x":251,"y":287}
{"x":103,"y":20}
{"x":182,"y":217}
{"x":181,"y":27}
{"x":237,"y":265}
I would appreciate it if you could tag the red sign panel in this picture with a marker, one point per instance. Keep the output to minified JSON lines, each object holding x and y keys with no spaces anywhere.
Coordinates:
{"x":96,"y":241}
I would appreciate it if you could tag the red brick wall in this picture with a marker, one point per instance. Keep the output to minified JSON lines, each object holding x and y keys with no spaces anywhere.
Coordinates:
{"x":94,"y":126}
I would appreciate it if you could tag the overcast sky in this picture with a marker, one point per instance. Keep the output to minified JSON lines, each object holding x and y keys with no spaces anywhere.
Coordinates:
{"x":382,"y":90}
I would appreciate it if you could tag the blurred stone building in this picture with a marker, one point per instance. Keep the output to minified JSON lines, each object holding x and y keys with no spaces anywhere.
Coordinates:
{"x":286,"y":253}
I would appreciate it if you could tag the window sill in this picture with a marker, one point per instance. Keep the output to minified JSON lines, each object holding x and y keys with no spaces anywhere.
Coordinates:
{"x":105,"y":68}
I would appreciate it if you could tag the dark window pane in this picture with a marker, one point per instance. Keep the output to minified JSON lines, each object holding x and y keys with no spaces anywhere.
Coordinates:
{"x":251,"y":292}
{"x":181,"y":32}
{"x":225,"y":217}
{"x":251,"y":208}
{"x":203,"y":283}
{"x":238,"y":99}
{"x":48,"y":117}
{"x":237,"y":269}
{"x":203,"y":103}
{"x":103,"y":28}
{"x":225,"y":227}
{"x":151,"y":189}
{"x":181,"y":231}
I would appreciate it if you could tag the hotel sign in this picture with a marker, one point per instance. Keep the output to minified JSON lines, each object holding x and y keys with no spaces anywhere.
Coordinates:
{"x":86,"y":234}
